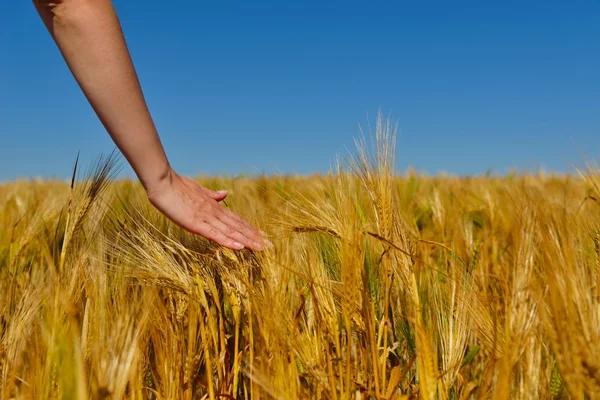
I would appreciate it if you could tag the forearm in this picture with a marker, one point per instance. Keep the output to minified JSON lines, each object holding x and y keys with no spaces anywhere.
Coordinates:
{"x":90,"y":39}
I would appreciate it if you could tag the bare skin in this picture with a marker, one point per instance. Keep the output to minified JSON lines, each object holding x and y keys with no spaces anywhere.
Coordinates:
{"x":89,"y":36}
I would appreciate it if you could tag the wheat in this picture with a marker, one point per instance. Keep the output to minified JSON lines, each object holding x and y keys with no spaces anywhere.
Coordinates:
{"x":380,"y":286}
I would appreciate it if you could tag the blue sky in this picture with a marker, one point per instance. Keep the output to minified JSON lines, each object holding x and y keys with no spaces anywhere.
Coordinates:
{"x":272,"y":86}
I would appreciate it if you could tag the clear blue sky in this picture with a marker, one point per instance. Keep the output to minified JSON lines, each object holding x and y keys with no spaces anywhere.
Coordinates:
{"x":268,"y":86}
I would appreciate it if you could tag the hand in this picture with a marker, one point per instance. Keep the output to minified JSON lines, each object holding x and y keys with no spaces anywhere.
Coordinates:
{"x":197,"y":210}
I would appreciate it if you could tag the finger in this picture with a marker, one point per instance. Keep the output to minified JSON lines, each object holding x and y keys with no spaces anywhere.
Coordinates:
{"x":240,"y":220}
{"x":245,"y":228}
{"x":234,"y":234}
{"x":218,"y":195}
{"x":212,"y":233}
{"x":239,"y":226}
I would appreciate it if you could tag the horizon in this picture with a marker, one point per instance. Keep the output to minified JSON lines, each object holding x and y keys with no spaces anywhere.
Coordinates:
{"x":83,"y":170}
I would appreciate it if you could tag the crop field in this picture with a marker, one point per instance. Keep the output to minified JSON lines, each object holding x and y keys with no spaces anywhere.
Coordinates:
{"x":379,"y":286}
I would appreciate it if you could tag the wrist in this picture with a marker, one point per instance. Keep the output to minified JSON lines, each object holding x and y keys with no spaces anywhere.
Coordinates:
{"x":160,"y":181}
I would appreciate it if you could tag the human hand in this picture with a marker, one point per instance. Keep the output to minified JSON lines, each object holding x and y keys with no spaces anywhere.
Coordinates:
{"x":197,"y":210}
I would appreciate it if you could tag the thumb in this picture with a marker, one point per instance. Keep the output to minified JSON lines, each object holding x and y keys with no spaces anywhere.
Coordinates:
{"x":217,"y":195}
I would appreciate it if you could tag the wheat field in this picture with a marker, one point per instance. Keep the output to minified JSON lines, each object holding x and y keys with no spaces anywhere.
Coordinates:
{"x":379,"y":286}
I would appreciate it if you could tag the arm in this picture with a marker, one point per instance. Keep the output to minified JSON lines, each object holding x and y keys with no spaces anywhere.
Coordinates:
{"x":90,"y":39}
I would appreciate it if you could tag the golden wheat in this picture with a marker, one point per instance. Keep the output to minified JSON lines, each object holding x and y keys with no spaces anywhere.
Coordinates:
{"x":378,"y":287}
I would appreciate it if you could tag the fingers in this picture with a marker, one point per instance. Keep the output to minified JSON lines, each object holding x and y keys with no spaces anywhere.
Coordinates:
{"x":227,"y":228}
{"x":238,"y":222}
{"x":235,"y":235}
{"x":230,"y":230}
{"x":257,"y":235}
{"x":197,"y":209}
{"x":216,"y":235}
{"x":245,"y":233}
{"x":218,"y":195}
{"x":228,"y":236}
